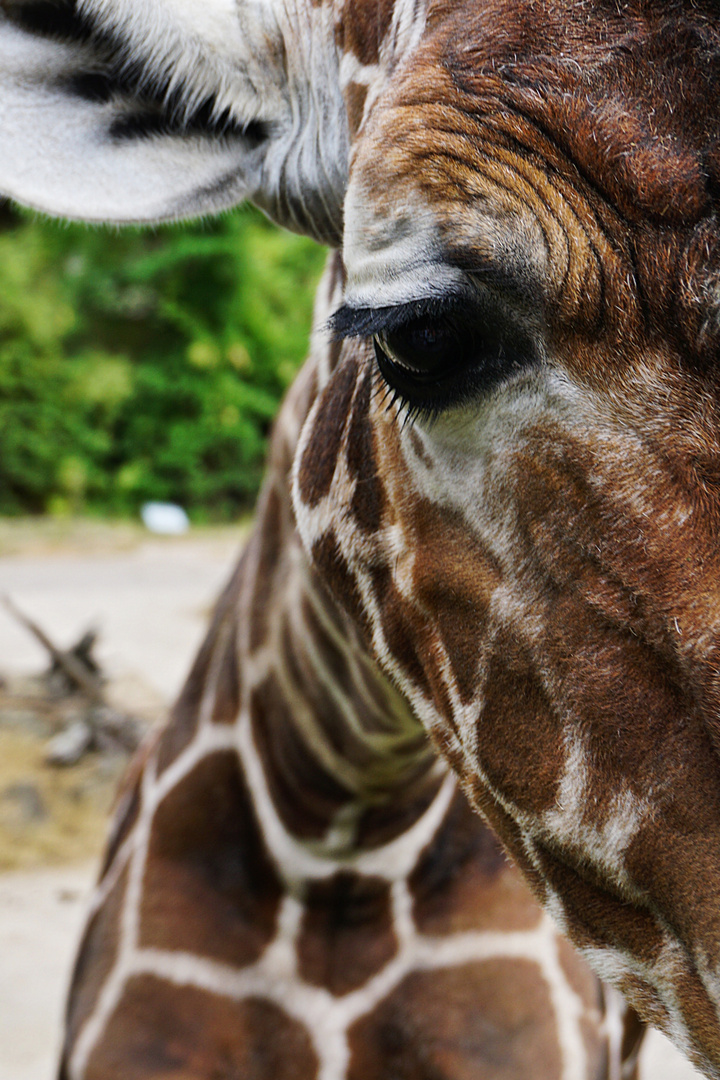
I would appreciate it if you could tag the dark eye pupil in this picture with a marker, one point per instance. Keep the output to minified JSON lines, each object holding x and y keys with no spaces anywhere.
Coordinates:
{"x":427,"y":338}
{"x":421,"y":347}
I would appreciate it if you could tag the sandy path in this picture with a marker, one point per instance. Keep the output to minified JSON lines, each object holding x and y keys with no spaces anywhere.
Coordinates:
{"x":41,"y":914}
{"x":151,"y":603}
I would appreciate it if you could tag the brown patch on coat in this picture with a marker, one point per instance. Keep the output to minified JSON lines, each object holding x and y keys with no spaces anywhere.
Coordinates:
{"x":305,"y":795}
{"x":127,"y":809}
{"x":404,"y":630}
{"x":595,"y":914}
{"x":674,"y":858}
{"x":159,"y":1029}
{"x":698,"y":1012}
{"x":464,"y":881}
{"x":355,"y":95}
{"x":347,"y":933}
{"x":363,"y":28}
{"x":489,"y":1020}
{"x":270,"y":542}
{"x":419,"y":450}
{"x":228,"y":687}
{"x":320,"y":456}
{"x":483,"y":800}
{"x":386,"y":821}
{"x":339,"y":579}
{"x":184,"y":717}
{"x":210,"y":888}
{"x":519,"y":733}
{"x":454,"y":576}
{"x":643,"y":998}
{"x":368,"y":499}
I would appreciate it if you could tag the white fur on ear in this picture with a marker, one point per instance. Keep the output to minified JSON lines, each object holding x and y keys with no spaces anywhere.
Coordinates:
{"x":58,"y":153}
{"x":152,"y":110}
{"x":230,"y":50}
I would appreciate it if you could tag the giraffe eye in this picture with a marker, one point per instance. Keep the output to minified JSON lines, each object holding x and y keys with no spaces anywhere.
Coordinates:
{"x":433,"y":364}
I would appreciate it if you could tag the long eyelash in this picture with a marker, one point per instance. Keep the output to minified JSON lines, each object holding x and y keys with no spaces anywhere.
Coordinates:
{"x":404,"y":411}
{"x":348,"y":322}
{"x":391,"y":398}
{"x":384,"y":389}
{"x":389,"y":395}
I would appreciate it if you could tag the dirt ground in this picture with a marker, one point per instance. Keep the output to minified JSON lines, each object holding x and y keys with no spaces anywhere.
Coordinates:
{"x":150,"y":599}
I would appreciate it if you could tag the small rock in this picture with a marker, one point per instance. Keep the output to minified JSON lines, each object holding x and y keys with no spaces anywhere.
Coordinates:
{"x":116,"y":730}
{"x":69,"y":746}
{"x":25,"y":802}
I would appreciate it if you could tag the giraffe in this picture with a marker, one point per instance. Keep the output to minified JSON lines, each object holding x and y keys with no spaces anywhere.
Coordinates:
{"x":506,"y":480}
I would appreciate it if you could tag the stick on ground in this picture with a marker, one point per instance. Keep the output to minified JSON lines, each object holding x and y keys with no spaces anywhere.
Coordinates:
{"x":76,"y":672}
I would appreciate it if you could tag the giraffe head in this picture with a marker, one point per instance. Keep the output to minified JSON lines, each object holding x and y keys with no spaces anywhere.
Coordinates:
{"x":511,"y":478}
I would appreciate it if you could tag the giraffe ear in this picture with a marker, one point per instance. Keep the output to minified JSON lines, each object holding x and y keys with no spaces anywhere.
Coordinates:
{"x":153,"y":110}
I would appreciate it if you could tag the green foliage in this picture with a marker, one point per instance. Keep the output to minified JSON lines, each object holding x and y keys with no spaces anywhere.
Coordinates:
{"x":146,"y":365}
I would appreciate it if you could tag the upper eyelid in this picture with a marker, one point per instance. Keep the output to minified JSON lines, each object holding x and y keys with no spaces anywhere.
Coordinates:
{"x":349,"y":321}
{"x":486,"y":286}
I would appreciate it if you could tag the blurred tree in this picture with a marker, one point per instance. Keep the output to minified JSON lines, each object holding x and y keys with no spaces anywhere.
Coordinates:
{"x":142,"y":365}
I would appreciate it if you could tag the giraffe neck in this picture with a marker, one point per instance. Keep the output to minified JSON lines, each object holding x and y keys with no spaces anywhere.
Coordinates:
{"x":343,"y":757}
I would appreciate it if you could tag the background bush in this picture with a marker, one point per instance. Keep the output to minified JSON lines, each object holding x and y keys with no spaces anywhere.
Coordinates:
{"x":141,"y":365}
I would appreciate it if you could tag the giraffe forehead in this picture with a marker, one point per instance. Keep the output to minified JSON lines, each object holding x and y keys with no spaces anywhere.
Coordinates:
{"x":424,"y":206}
{"x":531,"y":144}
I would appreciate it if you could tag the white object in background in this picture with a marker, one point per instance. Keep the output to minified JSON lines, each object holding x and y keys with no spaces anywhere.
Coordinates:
{"x":167,"y":519}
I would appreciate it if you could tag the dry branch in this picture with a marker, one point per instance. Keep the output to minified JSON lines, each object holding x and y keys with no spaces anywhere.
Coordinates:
{"x":65,"y":659}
